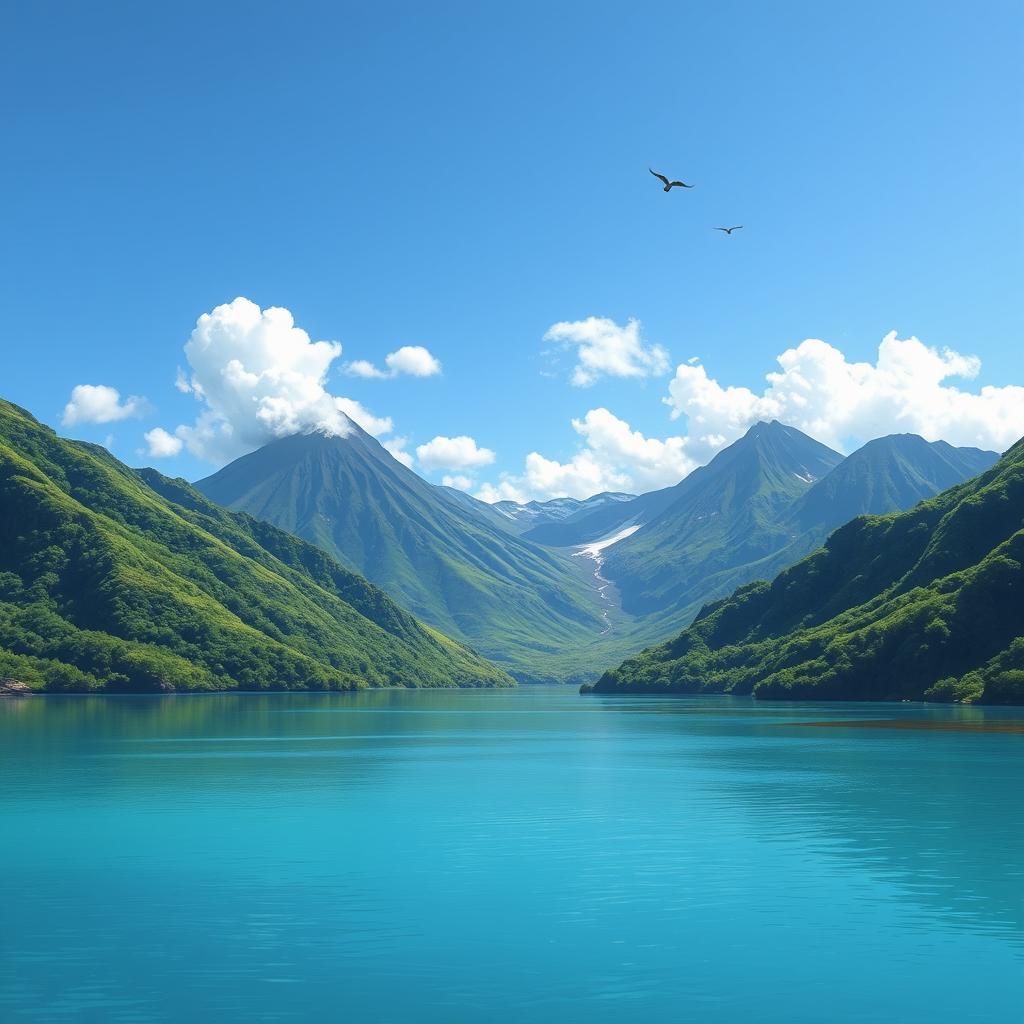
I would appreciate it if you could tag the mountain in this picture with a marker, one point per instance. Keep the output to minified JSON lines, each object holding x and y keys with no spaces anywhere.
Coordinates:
{"x":535,"y":514}
{"x":885,"y":475}
{"x":763,"y":504}
{"x":127,"y":581}
{"x":478,"y":508}
{"x":533,"y":610}
{"x":594,"y":522}
{"x":720,"y":521}
{"x":925,"y":604}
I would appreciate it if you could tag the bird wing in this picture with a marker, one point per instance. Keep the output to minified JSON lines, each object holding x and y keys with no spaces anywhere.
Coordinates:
{"x":736,"y":228}
{"x":683,"y":183}
{"x":659,"y":176}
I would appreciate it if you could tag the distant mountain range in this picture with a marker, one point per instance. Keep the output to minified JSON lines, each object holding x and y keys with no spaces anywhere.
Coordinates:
{"x":923,"y":604}
{"x":536,"y":514}
{"x":111,"y":577}
{"x":533,"y":609}
{"x":117,"y":580}
{"x":481,"y":573}
{"x":762,"y":504}
{"x":590,"y":523}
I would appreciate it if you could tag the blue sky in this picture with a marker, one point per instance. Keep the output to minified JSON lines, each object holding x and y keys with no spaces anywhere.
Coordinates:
{"x":461,"y":177}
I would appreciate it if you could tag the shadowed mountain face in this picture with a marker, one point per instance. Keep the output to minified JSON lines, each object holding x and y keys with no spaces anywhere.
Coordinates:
{"x":128,"y":581}
{"x":927,"y":603}
{"x":532,"y":609}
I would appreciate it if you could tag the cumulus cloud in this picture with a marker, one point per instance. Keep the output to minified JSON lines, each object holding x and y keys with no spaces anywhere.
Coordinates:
{"x":506,"y":489}
{"x":412,"y":360}
{"x":378,"y":426}
{"x":614,"y":457}
{"x":453,"y":453}
{"x":604,"y":348}
{"x":459,"y":482}
{"x":99,"y":403}
{"x":162,"y":445}
{"x":259,"y":377}
{"x":844,"y":404}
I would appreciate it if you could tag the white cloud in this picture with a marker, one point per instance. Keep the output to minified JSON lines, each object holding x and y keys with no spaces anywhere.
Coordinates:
{"x":506,"y":489}
{"x":605,"y":348}
{"x":412,"y":360}
{"x":453,"y":453}
{"x":161,"y":444}
{"x":363,"y":368}
{"x":396,"y":446}
{"x":261,"y":377}
{"x":841,"y":403}
{"x":614,"y":458}
{"x":98,"y":403}
{"x":378,"y":426}
{"x":461,"y":483}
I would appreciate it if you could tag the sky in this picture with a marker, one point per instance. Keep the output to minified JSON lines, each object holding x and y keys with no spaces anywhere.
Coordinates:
{"x":227,"y":222}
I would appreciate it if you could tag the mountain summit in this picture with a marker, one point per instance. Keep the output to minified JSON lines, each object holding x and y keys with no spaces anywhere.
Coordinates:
{"x":530,"y":608}
{"x":719,"y":520}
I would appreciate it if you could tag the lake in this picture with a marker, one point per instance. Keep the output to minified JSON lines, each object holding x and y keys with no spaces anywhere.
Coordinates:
{"x":531,"y":855}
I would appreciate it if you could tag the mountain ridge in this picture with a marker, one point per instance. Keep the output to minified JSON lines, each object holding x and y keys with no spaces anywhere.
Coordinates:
{"x":921,"y":604}
{"x":528,"y":607}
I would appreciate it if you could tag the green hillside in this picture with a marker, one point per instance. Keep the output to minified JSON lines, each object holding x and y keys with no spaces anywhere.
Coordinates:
{"x":921,"y":604}
{"x":112,"y":579}
{"x":533,"y":610}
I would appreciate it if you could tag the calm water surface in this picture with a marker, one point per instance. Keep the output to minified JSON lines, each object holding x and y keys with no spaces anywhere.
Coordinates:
{"x":522,"y":856}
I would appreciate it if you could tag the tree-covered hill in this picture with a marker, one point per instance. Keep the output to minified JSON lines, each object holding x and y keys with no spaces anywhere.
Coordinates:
{"x":112,"y":579}
{"x":927,"y":604}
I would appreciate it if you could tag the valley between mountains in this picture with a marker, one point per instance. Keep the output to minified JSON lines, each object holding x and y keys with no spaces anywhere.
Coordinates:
{"x":320,"y":561}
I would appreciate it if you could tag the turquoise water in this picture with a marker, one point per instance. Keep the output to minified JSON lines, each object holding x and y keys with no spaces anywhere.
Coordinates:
{"x":523,"y":856}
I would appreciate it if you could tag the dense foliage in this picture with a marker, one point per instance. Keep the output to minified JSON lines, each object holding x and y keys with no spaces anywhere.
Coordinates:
{"x":122,"y":580}
{"x":921,"y":604}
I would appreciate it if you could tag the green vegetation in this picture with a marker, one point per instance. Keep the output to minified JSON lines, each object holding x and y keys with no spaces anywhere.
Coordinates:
{"x":926,"y":604}
{"x":112,"y":579}
{"x":533,"y":610}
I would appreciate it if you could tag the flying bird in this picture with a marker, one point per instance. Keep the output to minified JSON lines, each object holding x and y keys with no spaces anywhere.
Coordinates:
{"x":669,"y":185}
{"x":729,"y":231}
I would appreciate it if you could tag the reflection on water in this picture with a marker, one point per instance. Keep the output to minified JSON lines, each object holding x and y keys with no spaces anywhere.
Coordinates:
{"x":532,"y":855}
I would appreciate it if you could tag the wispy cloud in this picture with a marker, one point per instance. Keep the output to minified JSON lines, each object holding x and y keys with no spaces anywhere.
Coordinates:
{"x":604,"y":348}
